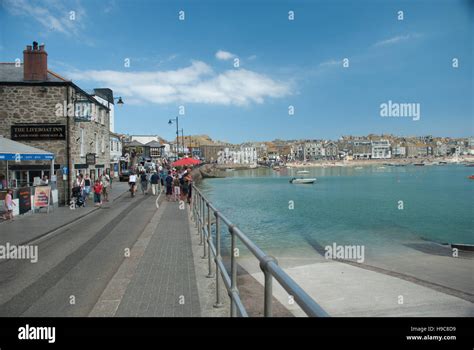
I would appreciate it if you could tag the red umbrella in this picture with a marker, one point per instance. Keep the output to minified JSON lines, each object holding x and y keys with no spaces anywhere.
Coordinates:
{"x":186,"y":162}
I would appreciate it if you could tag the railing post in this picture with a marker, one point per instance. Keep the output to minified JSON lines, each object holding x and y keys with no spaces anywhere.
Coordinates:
{"x":198,"y":217}
{"x":233,"y":272}
{"x":218,"y":303}
{"x":209,"y":240}
{"x":204,"y":224}
{"x":201,"y":223}
{"x":268,"y":285}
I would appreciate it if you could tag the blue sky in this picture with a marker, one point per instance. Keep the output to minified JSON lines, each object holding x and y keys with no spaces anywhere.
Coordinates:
{"x":282,"y":63}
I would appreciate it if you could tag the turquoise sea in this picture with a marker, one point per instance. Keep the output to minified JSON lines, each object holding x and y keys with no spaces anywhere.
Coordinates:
{"x":349,"y":206}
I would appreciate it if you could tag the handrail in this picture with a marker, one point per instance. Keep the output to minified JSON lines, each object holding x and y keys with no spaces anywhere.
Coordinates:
{"x":202,"y":211}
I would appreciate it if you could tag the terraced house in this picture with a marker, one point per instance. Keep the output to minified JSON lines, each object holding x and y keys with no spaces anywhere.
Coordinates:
{"x":42,"y":109}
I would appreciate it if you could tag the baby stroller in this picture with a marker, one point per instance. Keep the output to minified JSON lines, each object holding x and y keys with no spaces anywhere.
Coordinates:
{"x":77,"y":198}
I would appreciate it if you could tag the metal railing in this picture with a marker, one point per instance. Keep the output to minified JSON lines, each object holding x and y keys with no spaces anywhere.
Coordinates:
{"x":202,"y":213}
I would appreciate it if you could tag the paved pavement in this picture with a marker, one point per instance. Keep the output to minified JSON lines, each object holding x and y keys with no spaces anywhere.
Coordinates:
{"x":75,"y":263}
{"x":164,"y":282}
{"x":26,"y":228}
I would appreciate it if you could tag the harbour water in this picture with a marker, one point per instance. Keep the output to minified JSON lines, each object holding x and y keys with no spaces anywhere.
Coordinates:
{"x":386,"y":209}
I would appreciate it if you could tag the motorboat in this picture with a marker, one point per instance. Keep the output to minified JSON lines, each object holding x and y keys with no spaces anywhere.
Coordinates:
{"x":302,"y":180}
{"x":471,"y":177}
{"x":302,"y":172}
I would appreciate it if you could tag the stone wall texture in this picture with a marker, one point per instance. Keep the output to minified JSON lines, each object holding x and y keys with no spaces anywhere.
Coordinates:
{"x":37,"y":105}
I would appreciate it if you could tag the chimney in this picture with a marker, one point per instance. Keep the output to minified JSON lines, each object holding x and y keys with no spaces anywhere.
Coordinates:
{"x":35,"y":63}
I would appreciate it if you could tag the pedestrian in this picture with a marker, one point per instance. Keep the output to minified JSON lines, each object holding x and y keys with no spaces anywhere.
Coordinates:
{"x":144,"y":182}
{"x":176,"y":186}
{"x":163,"y":175}
{"x":44,"y":181}
{"x":9,"y":203}
{"x":189,"y":178}
{"x":155,"y":183}
{"x":87,"y":188}
{"x":97,"y":192}
{"x":80,"y":183}
{"x":105,"y":187}
{"x":169,"y":186}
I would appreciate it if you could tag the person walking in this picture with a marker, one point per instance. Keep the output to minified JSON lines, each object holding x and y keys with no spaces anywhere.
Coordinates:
{"x":163,"y":175}
{"x":169,"y":186}
{"x":87,"y":188}
{"x":105,"y":187}
{"x":132,"y":182}
{"x":189,"y":179}
{"x":97,"y":193}
{"x":80,"y":184}
{"x":9,"y":203}
{"x":155,"y":180}
{"x":176,"y":185}
{"x":144,"y":182}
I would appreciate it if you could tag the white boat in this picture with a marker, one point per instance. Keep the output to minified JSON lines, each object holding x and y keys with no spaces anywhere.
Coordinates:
{"x":302,"y":172}
{"x":302,"y":181}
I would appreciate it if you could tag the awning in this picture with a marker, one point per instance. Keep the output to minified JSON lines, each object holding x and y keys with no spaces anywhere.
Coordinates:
{"x":16,"y":151}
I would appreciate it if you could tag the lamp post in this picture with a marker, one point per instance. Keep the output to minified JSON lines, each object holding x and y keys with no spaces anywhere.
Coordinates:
{"x":182,"y":139}
{"x":170,"y":122}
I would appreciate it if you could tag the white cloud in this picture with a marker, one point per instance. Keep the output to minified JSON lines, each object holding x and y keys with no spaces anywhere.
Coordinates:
{"x":53,"y":15}
{"x":197,"y":83}
{"x":330,"y":63}
{"x":396,"y":39}
{"x":224,"y":55}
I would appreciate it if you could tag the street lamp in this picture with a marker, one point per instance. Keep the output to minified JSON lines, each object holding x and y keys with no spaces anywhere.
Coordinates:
{"x":170,"y":122}
{"x":120,"y":101}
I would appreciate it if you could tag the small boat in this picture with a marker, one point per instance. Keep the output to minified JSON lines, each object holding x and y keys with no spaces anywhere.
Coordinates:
{"x":302,"y":172}
{"x":442,"y":163}
{"x":419,"y":164}
{"x":471,"y":177}
{"x":470,"y":165}
{"x":230,"y":169}
{"x":302,"y":181}
{"x":358,"y":168}
{"x":381,"y":167}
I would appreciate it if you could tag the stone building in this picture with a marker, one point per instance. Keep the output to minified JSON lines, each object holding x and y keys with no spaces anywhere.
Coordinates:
{"x":42,"y":109}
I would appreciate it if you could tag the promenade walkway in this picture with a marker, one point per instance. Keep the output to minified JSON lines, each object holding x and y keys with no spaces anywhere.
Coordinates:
{"x":163,"y":284}
{"x":28,"y":227}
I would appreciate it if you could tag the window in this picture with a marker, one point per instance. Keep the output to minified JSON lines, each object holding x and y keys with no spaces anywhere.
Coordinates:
{"x":96,"y":144}
{"x":82,"y":142}
{"x":103,"y":144}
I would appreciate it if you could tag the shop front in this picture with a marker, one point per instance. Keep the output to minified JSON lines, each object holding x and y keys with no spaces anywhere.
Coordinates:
{"x":22,"y":174}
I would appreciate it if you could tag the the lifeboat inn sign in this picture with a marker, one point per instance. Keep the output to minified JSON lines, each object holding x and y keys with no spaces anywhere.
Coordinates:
{"x":38,"y":132}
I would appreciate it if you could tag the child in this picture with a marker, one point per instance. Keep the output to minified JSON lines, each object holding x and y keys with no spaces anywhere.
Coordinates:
{"x":97,"y":192}
{"x":9,"y":203}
